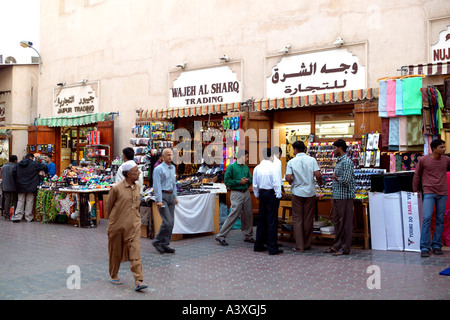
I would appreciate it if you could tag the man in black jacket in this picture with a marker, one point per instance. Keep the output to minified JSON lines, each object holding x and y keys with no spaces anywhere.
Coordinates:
{"x":27,"y":181}
{"x":9,"y":185}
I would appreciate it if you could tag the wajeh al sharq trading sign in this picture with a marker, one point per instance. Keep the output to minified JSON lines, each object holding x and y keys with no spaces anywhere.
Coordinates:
{"x":316,"y":73}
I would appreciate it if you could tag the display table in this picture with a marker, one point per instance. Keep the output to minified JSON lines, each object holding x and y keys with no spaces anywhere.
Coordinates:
{"x":84,"y":220}
{"x":287,"y":204}
{"x":194,"y":214}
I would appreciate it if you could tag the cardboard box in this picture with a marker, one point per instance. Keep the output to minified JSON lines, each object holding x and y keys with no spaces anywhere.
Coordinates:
{"x":394,"y":224}
{"x":377,"y":221}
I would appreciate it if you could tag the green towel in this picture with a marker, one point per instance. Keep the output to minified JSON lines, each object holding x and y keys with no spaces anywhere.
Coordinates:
{"x":412,"y":96}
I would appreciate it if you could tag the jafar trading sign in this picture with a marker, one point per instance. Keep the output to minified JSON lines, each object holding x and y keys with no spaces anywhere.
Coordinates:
{"x":316,"y":73}
{"x":75,"y":100}
{"x":207,"y":86}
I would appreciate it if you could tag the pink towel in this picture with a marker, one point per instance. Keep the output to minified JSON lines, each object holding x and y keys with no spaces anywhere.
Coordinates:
{"x":391,"y":97}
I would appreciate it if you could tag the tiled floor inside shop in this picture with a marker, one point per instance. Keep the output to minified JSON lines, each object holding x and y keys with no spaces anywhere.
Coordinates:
{"x":35,"y":260}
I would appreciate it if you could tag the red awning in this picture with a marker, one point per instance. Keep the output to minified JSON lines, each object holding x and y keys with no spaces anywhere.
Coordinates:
{"x":316,"y":99}
{"x":193,"y":111}
{"x":429,"y":69}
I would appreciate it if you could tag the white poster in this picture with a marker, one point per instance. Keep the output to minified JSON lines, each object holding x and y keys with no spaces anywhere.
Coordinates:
{"x":315,"y":73}
{"x":412,"y":220}
{"x":205,"y":87}
{"x":394,"y":224}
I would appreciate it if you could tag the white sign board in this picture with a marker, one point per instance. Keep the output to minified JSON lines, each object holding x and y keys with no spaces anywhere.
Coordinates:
{"x":440,"y":52}
{"x":315,"y":73}
{"x":75,"y":100}
{"x":207,"y":86}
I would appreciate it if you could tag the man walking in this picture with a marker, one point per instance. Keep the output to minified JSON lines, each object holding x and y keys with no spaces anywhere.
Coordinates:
{"x":343,"y":195}
{"x":27,"y":181}
{"x":165,"y":190}
{"x":9,"y":186}
{"x":124,"y":227}
{"x":238,"y":179}
{"x":300,"y":173}
{"x":128,"y":157}
{"x":267,"y":188}
{"x":431,"y":171}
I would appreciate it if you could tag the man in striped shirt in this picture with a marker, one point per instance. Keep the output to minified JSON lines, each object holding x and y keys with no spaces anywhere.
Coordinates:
{"x":343,"y":195}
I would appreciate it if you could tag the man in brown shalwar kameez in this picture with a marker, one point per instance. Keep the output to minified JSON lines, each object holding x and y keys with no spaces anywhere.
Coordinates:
{"x":124,"y":228}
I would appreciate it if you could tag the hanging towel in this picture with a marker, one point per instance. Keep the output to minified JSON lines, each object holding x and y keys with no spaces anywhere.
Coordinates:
{"x":385,"y":132}
{"x":402,"y":133}
{"x":391,"y":97}
{"x":414,"y":130}
{"x":440,"y":104}
{"x":382,"y":99}
{"x":426,"y":112}
{"x":399,"y":97}
{"x":412,"y":97}
{"x":393,"y":134}
{"x":392,"y":167}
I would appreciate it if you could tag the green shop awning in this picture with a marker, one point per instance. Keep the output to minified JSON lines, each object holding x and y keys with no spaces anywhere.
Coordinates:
{"x":70,"y":121}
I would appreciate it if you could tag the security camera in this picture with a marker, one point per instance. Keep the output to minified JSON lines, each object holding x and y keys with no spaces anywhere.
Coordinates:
{"x":182,"y":65}
{"x":61,"y":84}
{"x":224,"y":58}
{"x":285,"y":49}
{"x":339,"y":42}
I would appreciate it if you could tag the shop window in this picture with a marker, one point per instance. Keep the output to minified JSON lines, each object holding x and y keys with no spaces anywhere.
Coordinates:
{"x":337,"y":125}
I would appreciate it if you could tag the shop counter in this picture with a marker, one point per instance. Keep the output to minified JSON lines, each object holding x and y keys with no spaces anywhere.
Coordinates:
{"x":84,"y":219}
{"x":194,"y":214}
{"x":56,"y":197}
{"x":286,"y":211}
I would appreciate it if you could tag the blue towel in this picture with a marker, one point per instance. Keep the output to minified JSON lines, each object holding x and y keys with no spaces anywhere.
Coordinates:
{"x":382,"y":99}
{"x":399,"y":98}
{"x":446,"y":272}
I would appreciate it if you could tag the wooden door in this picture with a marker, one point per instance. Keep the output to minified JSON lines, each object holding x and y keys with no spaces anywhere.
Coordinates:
{"x":106,"y":129}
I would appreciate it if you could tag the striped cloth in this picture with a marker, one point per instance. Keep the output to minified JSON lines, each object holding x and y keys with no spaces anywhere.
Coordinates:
{"x":68,"y":121}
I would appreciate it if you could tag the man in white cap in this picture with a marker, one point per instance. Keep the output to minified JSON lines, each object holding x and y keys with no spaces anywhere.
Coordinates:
{"x":124,"y":226}
{"x":128,"y":157}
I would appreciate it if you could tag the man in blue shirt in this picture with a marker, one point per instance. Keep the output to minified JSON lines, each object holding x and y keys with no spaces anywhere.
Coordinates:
{"x":165,"y":191}
{"x":51,"y":166}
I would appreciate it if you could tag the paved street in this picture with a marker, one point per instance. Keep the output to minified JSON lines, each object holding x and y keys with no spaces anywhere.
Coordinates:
{"x":34,"y":259}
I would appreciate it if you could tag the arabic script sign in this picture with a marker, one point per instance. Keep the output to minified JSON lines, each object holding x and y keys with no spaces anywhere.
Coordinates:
{"x":440,"y":52}
{"x":315,"y":73}
{"x":76,"y":100}
{"x":206,"y":86}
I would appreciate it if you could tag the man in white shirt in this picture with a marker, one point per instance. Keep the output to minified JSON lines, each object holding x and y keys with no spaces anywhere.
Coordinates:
{"x":300,"y":173}
{"x":128,"y":158}
{"x":267,"y":188}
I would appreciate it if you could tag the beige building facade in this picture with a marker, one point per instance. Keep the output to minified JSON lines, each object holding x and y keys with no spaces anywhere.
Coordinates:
{"x":136,"y":50}
{"x":18,"y":101}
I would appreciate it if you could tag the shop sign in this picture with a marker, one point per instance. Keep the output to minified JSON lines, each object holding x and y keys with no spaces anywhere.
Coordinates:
{"x":205,"y":87}
{"x":440,"y":52}
{"x":316,"y":73}
{"x":75,"y":100}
